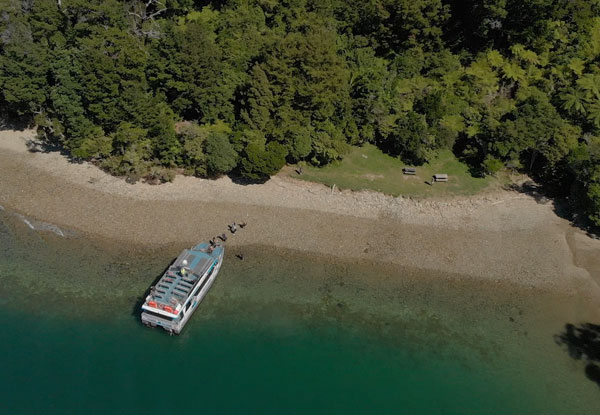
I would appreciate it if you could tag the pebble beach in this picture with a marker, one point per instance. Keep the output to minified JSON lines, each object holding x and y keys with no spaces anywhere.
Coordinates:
{"x":502,"y":236}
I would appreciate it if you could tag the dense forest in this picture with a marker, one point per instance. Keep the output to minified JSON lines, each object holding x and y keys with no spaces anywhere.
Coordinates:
{"x":146,"y":88}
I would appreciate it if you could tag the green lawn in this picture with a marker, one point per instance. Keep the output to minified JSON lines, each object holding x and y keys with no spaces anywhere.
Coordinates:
{"x":368,"y":168}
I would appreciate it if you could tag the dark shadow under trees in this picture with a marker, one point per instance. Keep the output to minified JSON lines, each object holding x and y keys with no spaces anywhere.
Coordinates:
{"x":583,"y":343}
{"x":9,"y":122}
{"x":563,"y":207}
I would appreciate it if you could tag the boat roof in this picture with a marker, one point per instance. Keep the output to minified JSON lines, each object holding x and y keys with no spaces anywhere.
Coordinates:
{"x":174,"y":287}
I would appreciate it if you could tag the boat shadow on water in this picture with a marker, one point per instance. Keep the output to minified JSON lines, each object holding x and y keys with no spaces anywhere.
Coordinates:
{"x":583,"y":343}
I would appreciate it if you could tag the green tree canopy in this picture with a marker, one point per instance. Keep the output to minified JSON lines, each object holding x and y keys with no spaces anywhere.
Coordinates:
{"x":146,"y":88}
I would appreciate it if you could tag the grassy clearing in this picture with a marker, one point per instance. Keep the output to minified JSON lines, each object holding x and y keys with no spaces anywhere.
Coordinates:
{"x":368,"y":167}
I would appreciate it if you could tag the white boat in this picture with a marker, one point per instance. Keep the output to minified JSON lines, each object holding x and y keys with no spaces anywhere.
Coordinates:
{"x":182,"y":287}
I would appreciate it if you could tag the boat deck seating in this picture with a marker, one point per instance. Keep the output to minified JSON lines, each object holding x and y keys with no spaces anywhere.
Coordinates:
{"x":174,"y":287}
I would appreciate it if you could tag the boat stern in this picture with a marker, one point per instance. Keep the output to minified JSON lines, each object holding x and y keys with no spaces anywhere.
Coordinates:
{"x":157,"y":315}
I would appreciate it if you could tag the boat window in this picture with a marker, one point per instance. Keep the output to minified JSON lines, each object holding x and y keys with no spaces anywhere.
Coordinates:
{"x":188,"y":305}
{"x":203,"y":283}
{"x":153,"y":314}
{"x":211,"y":270}
{"x":201,"y":286}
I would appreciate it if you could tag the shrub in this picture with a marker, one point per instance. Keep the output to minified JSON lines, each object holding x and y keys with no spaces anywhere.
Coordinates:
{"x":261,"y":160}
{"x":492,"y":165}
{"x":220,"y":156}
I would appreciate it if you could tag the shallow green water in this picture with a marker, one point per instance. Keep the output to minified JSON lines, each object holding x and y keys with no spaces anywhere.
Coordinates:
{"x":279,"y":333}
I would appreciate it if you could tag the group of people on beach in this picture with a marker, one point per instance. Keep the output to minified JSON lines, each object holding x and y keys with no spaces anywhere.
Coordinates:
{"x":233,"y":228}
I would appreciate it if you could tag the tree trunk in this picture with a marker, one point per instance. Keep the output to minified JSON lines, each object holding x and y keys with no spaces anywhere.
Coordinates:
{"x":532,"y":159}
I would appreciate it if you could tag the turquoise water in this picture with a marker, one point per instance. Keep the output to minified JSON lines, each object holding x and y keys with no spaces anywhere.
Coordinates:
{"x":287,"y":334}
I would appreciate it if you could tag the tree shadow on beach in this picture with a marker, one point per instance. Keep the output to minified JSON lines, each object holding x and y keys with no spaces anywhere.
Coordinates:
{"x":583,"y":343}
{"x":18,"y":124}
{"x":560,"y":205}
{"x":245,"y":181}
{"x":37,"y":145}
{"x":532,"y":189}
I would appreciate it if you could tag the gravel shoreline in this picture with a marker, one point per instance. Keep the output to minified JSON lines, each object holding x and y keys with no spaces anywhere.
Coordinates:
{"x":500,"y":237}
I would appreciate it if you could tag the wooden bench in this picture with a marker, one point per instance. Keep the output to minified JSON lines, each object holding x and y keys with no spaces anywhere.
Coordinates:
{"x":409,"y":170}
{"x":440,"y":177}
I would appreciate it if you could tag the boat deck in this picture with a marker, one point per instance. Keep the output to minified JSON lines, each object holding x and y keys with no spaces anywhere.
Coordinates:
{"x":175,"y":287}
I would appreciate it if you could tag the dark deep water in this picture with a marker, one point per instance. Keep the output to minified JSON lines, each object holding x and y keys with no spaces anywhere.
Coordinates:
{"x":280,"y":332}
